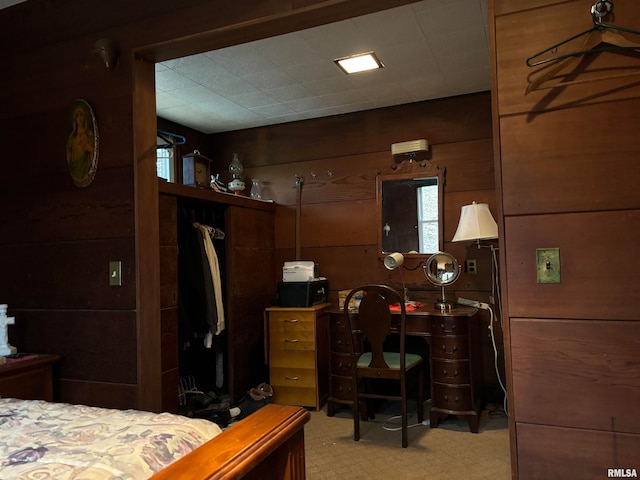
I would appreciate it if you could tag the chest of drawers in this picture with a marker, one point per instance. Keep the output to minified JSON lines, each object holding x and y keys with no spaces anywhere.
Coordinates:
{"x":298,"y":356}
{"x":455,"y":369}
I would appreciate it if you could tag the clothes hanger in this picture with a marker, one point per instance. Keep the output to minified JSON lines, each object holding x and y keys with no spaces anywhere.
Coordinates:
{"x":602,"y":37}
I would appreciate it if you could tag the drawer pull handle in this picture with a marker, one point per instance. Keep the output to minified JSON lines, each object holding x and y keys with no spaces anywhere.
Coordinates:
{"x":453,"y":327}
{"x":292,"y":378}
{"x":294,"y":340}
{"x":446,"y":397}
{"x":293,"y":320}
{"x":455,"y":373}
{"x":442,"y":326}
{"x":444,"y":372}
{"x":455,"y":348}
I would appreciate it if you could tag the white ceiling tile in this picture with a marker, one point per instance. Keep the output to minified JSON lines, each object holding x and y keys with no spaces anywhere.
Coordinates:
{"x":431,"y":49}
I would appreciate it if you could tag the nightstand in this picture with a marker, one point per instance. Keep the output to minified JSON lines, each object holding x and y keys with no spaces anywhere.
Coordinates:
{"x":28,"y":378}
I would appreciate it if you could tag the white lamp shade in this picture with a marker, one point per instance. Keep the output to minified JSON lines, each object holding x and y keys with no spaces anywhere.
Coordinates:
{"x":393,"y":260}
{"x":476,"y":223}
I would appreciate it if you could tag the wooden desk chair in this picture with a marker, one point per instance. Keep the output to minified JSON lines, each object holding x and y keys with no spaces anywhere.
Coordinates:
{"x":369,"y":329}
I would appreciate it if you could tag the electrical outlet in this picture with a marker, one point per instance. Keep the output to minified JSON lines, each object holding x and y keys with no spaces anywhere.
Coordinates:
{"x":548,"y":265}
{"x":470,"y":266}
{"x":115,"y":273}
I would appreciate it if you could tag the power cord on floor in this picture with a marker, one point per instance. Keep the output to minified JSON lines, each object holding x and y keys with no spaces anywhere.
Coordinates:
{"x":425,"y":423}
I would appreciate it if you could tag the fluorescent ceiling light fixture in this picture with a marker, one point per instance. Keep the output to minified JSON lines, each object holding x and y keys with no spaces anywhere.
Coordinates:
{"x":359,"y":63}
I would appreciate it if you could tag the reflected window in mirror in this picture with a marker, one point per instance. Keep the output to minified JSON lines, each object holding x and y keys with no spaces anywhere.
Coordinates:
{"x":410,"y":213}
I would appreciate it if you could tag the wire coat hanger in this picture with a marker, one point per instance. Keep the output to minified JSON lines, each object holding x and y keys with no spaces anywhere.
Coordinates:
{"x":602,"y":37}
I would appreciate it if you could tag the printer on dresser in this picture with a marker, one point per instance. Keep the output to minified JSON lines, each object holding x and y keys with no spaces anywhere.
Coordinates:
{"x":296,"y":337}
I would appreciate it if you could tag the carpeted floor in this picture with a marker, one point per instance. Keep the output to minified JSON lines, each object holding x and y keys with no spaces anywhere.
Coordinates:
{"x":448,"y":452}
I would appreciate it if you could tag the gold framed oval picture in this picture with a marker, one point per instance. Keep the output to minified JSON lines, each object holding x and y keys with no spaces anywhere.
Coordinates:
{"x":82,"y":143}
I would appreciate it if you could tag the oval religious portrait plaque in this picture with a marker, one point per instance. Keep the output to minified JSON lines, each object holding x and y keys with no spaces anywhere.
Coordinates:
{"x":82,"y":143}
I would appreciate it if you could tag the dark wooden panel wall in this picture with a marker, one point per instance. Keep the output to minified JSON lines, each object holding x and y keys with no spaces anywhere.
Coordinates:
{"x":56,"y":239}
{"x":567,"y":164}
{"x":339,"y":158}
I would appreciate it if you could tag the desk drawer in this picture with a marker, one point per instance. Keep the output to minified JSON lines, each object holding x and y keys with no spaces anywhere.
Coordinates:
{"x":292,"y":358}
{"x":292,"y":331}
{"x":453,"y":398}
{"x":292,"y":377}
{"x":305,"y":397}
{"x":341,"y":364}
{"x":339,"y":334}
{"x":341,"y":388}
{"x":452,"y":372}
{"x":450,"y":347}
{"x":445,"y":325}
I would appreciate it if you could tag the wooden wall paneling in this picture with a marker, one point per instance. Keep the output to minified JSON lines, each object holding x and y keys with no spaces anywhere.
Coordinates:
{"x":70,"y":213}
{"x":170,"y":380}
{"x":169,"y":332}
{"x":503,"y":7}
{"x":217,"y":26}
{"x":170,"y":375}
{"x":565,"y":161}
{"x":98,"y":349}
{"x":468,"y":164}
{"x":107,"y":395}
{"x":546,"y":451}
{"x":344,"y":223}
{"x":78,"y":271}
{"x":589,"y":362}
{"x":533,"y":30}
{"x":147,"y":241}
{"x":250,"y":285}
{"x":583,"y":239}
{"x":168,"y":276}
{"x":442,"y":121}
{"x":491,"y":385}
{"x":351,"y":177}
{"x":168,"y":236}
{"x":285,"y":227}
{"x":97,"y":346}
{"x":554,"y":178}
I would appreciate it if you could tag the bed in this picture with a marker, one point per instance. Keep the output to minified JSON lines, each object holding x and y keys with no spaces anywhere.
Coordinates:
{"x":45,"y":440}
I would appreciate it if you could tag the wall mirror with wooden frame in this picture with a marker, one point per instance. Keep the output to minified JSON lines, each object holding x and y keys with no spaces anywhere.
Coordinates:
{"x":410,"y":212}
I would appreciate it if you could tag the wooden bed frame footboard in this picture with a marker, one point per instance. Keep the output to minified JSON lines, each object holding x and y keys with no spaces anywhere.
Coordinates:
{"x":267,"y":445}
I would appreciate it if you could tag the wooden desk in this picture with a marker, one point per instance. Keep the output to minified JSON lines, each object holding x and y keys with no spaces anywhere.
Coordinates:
{"x":454,"y":357}
{"x":29,"y":378}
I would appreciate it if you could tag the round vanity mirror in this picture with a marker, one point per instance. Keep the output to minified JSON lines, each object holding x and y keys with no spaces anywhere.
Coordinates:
{"x":442,"y":269}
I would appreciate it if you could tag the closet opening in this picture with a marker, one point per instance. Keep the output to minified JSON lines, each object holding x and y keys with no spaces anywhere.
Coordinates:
{"x":202,"y":328}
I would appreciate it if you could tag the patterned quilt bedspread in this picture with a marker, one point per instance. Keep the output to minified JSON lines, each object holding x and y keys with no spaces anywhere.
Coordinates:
{"x":42,"y":440}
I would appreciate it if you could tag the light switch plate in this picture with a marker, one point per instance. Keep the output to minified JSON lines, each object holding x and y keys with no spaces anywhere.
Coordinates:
{"x":115,"y":273}
{"x":548,"y":265}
